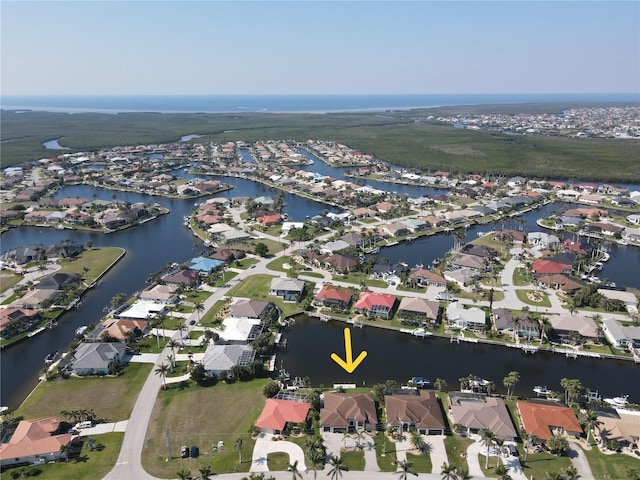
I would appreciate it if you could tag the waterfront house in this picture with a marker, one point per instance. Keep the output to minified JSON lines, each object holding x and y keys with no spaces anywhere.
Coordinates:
{"x":374,"y":304}
{"x":353,"y":239}
{"x":56,"y":281}
{"x":21,"y":255}
{"x":204,"y":265}
{"x":221,"y":358}
{"x":16,"y":320}
{"x":628,"y":298}
{"x":348,"y":412}
{"x":140,"y":310}
{"x":395,"y":229}
{"x":425,"y":276}
{"x":415,"y":225}
{"x":603,"y":228}
{"x":549,"y":267}
{"x":183,"y":277}
{"x":245,"y":307}
{"x":330,"y":296}
{"x":34,"y":298}
{"x":477,"y":412}
{"x":227,"y":255}
{"x":503,"y":321}
{"x":560,"y":281}
{"x":543,"y":240}
{"x":418,"y":310}
{"x":120,"y":328}
{"x":544,"y":420}
{"x":621,"y":426}
{"x":332,"y":247}
{"x":634,"y":218}
{"x":95,"y":358}
{"x":505,"y":234}
{"x":619,"y":335}
{"x":340,"y":263}
{"x":463,"y":276}
{"x":419,"y":409}
{"x":459,"y":317}
{"x":165,"y":294}
{"x":574,"y":326}
{"x":34,"y":441}
{"x":239,"y":330}
{"x":289,"y":289}
{"x":470,"y":261}
{"x":278,"y":414}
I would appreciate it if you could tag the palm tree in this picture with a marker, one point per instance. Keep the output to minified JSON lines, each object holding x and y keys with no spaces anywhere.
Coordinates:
{"x":337,"y":467}
{"x":406,"y":470}
{"x":172,"y":344}
{"x":510,"y":381}
{"x":345,"y":435}
{"x":162,"y":370}
{"x":184,"y":474}
{"x":590,"y":421}
{"x":238,"y":445}
{"x":449,"y":471}
{"x":416,"y":440}
{"x":204,"y":471}
{"x":503,"y":472}
{"x":553,"y":476}
{"x":529,"y":440}
{"x":199,"y":308}
{"x":545,"y":328}
{"x":488,"y":439}
{"x":571,"y":473}
{"x":293,"y":468}
{"x":316,"y":458}
{"x":440,"y":383}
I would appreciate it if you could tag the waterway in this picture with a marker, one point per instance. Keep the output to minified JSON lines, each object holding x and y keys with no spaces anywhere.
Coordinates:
{"x":391,"y":355}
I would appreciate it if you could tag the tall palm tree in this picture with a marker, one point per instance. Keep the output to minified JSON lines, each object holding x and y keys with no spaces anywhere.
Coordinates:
{"x":503,"y":472}
{"x":406,"y":469}
{"x":590,"y":421}
{"x":199,"y":308}
{"x":449,"y":471}
{"x":162,"y":370}
{"x":172,"y":344}
{"x":238,"y":445}
{"x":337,"y":467}
{"x":529,"y":439}
{"x":293,"y":468}
{"x":488,"y":438}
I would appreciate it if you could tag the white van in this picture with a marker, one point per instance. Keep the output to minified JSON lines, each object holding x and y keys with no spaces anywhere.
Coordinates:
{"x":83,"y":425}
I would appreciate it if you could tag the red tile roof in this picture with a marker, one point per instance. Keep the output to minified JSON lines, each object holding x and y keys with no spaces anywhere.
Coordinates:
{"x":542,"y":419}
{"x":368,"y":300}
{"x":276,"y":413}
{"x":548,"y":266}
{"x":329,"y":292}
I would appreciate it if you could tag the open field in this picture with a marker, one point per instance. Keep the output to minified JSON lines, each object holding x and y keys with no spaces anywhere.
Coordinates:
{"x":396,"y":138}
{"x":111,"y":398}
{"x":202,"y":417}
{"x":97,"y":260}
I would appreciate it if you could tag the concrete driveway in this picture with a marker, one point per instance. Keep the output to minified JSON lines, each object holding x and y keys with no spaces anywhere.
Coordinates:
{"x":265,"y":445}
{"x":104,"y":428}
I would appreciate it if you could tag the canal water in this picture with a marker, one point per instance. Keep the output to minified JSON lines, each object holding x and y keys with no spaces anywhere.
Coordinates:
{"x":391,"y":355}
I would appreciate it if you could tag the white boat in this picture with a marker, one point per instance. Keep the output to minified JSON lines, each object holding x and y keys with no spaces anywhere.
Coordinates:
{"x":81,"y":330}
{"x":419,"y":382}
{"x":421,"y":332}
{"x":605,"y":257}
{"x":541,"y":390}
{"x":618,"y":402}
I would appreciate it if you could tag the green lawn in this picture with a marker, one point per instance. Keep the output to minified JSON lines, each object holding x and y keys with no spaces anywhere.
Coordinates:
{"x":455,"y":445}
{"x":538,"y":464}
{"x":278,"y":263}
{"x":521,"y":277}
{"x":353,"y":460}
{"x":203,"y":416}
{"x":97,"y":260}
{"x":244,"y":263}
{"x":615,"y":465}
{"x":278,"y":461}
{"x":90,"y":465}
{"x":8,"y":279}
{"x":386,"y":463}
{"x":523,"y":297}
{"x":111,"y":398}
{"x":195,"y":296}
{"x":420,"y":463}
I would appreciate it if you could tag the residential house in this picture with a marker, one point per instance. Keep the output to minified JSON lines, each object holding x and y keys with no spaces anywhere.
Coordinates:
{"x":332,"y":247}
{"x":245,"y":307}
{"x":427,"y":277}
{"x":119,"y":328}
{"x":560,"y":281}
{"x":330,"y":296}
{"x":289,"y":289}
{"x":415,"y":225}
{"x":549,"y":267}
{"x":524,"y":326}
{"x":56,"y":281}
{"x":341,"y":263}
{"x":569,"y":326}
{"x":204,"y":265}
{"x":395,"y":229}
{"x":463,"y":276}
{"x":544,"y":420}
{"x":621,"y":426}
{"x":347,"y":412}
{"x":418,"y":310}
{"x":470,"y":261}
{"x":34,"y":441}
{"x":620,"y":335}
{"x":477,"y":412}
{"x":472,"y":318}
{"x":221,"y":358}
{"x":277,"y":414}
{"x":239,"y":330}
{"x":183,"y":277}
{"x":628,"y":298}
{"x":353,"y":239}
{"x":409,"y":409}
{"x":16,"y":320}
{"x":375,"y":304}
{"x":96,"y":358}
{"x":543,"y":240}
{"x":604,"y":228}
{"x":165,"y":294}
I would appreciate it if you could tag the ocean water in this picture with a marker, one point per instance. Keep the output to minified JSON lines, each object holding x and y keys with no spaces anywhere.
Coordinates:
{"x":281,"y":103}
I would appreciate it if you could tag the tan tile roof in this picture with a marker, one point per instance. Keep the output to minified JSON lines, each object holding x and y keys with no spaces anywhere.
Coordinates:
{"x":34,"y":437}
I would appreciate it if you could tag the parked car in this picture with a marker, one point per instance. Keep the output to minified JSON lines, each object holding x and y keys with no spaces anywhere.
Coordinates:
{"x":184,"y":451}
{"x":83,"y":425}
{"x":195,"y":451}
{"x":446,"y":297}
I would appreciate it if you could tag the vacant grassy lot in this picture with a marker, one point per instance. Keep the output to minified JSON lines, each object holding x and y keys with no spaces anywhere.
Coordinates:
{"x":8,"y":279}
{"x":616,"y":465}
{"x":97,"y":260}
{"x":202,"y":417}
{"x":111,"y":398}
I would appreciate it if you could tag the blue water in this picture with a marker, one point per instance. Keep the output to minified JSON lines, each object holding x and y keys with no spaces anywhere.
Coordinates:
{"x":281,"y":103}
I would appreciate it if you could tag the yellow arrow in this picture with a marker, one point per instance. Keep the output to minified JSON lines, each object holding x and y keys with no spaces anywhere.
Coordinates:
{"x":349,"y":364}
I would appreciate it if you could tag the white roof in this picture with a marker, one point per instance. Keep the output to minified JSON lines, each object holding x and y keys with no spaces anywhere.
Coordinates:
{"x":237,"y":329}
{"x":142,"y":309}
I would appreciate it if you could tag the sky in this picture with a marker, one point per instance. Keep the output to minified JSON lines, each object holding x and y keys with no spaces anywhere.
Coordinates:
{"x":318,"y":47}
